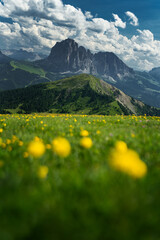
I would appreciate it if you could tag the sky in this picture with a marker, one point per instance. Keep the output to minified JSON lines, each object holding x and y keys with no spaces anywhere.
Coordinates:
{"x":129,"y":28}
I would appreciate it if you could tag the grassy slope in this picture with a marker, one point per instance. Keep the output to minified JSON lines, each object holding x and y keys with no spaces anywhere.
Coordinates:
{"x":81,"y":94}
{"x":82,"y":197}
{"x":68,"y":95}
{"x":28,"y":68}
{"x":19,"y":75}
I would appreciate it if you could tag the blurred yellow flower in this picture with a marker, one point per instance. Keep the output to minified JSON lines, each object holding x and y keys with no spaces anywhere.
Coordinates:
{"x":42,"y":172}
{"x":86,"y":142}
{"x":20,"y":143}
{"x":133,"y":135}
{"x":84,"y":133}
{"x":1,"y":163}
{"x":48,"y":146}
{"x":61,"y":146}
{"x":127,"y":161}
{"x":8,"y":141}
{"x":25,"y":154}
{"x":36,"y":148}
{"x":121,"y":146}
{"x":1,"y":130}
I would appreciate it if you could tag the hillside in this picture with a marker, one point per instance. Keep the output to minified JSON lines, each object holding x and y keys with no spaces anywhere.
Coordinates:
{"x":67,"y":58}
{"x":16,"y":74}
{"x":142,"y":86}
{"x":4,"y":58}
{"x":77,"y":94}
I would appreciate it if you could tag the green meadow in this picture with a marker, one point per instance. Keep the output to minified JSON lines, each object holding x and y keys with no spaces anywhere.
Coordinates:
{"x":81,"y":196}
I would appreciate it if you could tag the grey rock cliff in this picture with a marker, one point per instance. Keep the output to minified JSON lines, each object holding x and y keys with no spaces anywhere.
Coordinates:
{"x":67,"y":56}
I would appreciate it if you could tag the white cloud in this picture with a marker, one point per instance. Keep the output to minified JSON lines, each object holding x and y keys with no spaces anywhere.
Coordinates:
{"x":118,"y":21}
{"x":39,"y":24}
{"x":133,"y":18}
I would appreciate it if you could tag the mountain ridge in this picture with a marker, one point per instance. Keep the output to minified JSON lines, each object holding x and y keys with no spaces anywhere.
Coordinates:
{"x":82,"y":94}
{"x":68,"y":56}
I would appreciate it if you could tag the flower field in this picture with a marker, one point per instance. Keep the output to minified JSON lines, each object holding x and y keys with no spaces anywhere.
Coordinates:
{"x":79,"y":177}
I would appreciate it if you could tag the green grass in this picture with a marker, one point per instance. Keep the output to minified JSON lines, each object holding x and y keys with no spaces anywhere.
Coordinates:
{"x":82,"y":197}
{"x":28,"y":68}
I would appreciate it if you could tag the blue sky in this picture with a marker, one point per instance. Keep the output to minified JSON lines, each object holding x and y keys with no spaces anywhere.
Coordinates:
{"x":147,"y":11}
{"x":130,"y":29}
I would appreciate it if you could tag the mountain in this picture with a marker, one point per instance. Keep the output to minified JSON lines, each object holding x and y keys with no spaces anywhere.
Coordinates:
{"x":23,"y":55}
{"x":4,"y":58}
{"x":155,"y":72}
{"x":83,"y":94}
{"x":20,"y":74}
{"x":67,"y":59}
{"x":142,"y":86}
{"x":67,"y":56}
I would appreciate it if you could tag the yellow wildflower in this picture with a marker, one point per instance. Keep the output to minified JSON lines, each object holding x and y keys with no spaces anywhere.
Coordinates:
{"x":42,"y":171}
{"x":121,"y":146}
{"x":84,"y":133}
{"x":61,"y":146}
{"x":36,"y":148}
{"x":1,"y":163}
{"x":20,"y":143}
{"x":86,"y":142}
{"x":48,"y":146}
{"x":1,"y":130}
{"x":14,"y":139}
{"x":26,"y":155}
{"x":133,"y":135}
{"x":3,"y":145}
{"x":127,"y":161}
{"x":8,"y":141}
{"x":37,"y":139}
{"x":9,"y":148}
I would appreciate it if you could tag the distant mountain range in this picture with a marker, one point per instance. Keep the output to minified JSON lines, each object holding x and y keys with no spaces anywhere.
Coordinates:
{"x":83,"y":94}
{"x":23,"y":55}
{"x":155,"y":72}
{"x":67,"y":58}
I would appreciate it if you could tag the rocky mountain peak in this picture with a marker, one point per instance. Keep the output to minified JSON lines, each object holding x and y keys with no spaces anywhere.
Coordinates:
{"x":67,"y":56}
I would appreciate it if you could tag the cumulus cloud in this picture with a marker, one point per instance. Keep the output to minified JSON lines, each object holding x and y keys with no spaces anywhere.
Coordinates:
{"x":39,"y":24}
{"x":132,"y":17}
{"x":118,"y":21}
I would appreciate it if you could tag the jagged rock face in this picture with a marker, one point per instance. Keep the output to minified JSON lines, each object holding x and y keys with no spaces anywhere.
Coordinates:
{"x":68,"y":56}
{"x":107,"y":63}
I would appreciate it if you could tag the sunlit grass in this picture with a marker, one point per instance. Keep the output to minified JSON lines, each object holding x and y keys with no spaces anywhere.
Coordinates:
{"x":54,"y":187}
